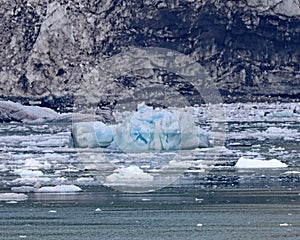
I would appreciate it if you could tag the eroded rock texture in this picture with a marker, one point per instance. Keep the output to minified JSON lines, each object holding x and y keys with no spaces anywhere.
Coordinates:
{"x":49,"y":48}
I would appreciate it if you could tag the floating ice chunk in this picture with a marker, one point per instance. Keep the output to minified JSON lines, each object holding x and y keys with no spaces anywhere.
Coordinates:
{"x":32,"y":164}
{"x":146,"y":199}
{"x":98,"y":210}
{"x":3,"y":168}
{"x":85,"y":179}
{"x":284,"y":225}
{"x":199,"y":200}
{"x":13,"y":197}
{"x":23,"y":189}
{"x":292,"y":172}
{"x":282,"y":114}
{"x":146,"y":129}
{"x":59,"y":189}
{"x":257,"y":163}
{"x":31,"y":180}
{"x":131,"y":175}
{"x":275,"y":132}
{"x":46,"y":165}
{"x":25,"y":173}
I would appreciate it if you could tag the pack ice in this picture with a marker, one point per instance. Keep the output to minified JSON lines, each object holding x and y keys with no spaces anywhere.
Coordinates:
{"x":144,"y":130}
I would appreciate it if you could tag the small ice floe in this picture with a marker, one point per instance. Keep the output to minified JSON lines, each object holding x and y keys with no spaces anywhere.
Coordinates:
{"x":285,"y":224}
{"x":22,"y":189}
{"x":85,"y":179}
{"x":292,"y":172}
{"x":52,"y":211}
{"x":199,"y":225}
{"x":98,"y":210}
{"x":276,"y":132}
{"x":282,"y":114}
{"x":59,"y":189}
{"x":131,"y":176}
{"x":22,"y":236}
{"x":13,"y":197}
{"x":146,"y":199}
{"x":26,"y":173}
{"x":67,"y":170}
{"x":199,"y":200}
{"x":258,"y":163}
{"x":11,"y":202}
{"x":47,"y":165}
{"x":32,"y":164}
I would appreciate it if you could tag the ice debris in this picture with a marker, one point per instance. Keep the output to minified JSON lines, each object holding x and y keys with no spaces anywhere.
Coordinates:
{"x":146,"y":129}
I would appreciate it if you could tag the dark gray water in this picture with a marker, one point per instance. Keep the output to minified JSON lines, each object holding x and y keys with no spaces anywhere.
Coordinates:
{"x":192,"y":214}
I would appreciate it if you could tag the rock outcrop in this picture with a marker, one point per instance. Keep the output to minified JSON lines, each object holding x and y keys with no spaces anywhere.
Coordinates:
{"x":250,"y":48}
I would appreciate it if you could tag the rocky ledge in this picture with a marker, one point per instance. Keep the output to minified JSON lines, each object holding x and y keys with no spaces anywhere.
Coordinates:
{"x":250,"y":48}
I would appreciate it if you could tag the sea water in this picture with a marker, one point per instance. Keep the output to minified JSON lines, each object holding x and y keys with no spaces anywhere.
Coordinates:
{"x":212,"y":199}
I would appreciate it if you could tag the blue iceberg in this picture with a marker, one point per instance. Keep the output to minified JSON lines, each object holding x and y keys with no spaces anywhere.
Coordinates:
{"x":147,"y":129}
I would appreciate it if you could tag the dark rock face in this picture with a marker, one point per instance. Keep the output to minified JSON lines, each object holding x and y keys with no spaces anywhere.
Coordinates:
{"x":251,"y":48}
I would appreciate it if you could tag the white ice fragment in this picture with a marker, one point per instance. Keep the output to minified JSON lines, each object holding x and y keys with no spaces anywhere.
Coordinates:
{"x":60,"y":179}
{"x":146,"y":199}
{"x":46,"y":165}
{"x":258,"y":163}
{"x":23,"y":189}
{"x":26,"y":173}
{"x":98,"y":210}
{"x":13,"y":197}
{"x":131,"y":175}
{"x":32,"y":164}
{"x":59,"y":189}
{"x":199,"y":225}
{"x":199,"y":200}
{"x":284,"y":224}
{"x":85,"y":179}
{"x":52,"y":211}
{"x":292,"y":172}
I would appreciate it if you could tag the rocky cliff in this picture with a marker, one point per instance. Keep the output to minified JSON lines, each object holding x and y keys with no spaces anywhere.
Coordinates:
{"x":250,"y":48}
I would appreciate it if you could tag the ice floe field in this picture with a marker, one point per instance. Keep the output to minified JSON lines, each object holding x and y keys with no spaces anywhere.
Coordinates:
{"x":258,"y":163}
{"x":261,"y":150}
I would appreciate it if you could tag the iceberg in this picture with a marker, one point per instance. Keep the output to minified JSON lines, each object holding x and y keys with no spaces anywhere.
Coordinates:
{"x":147,"y":129}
